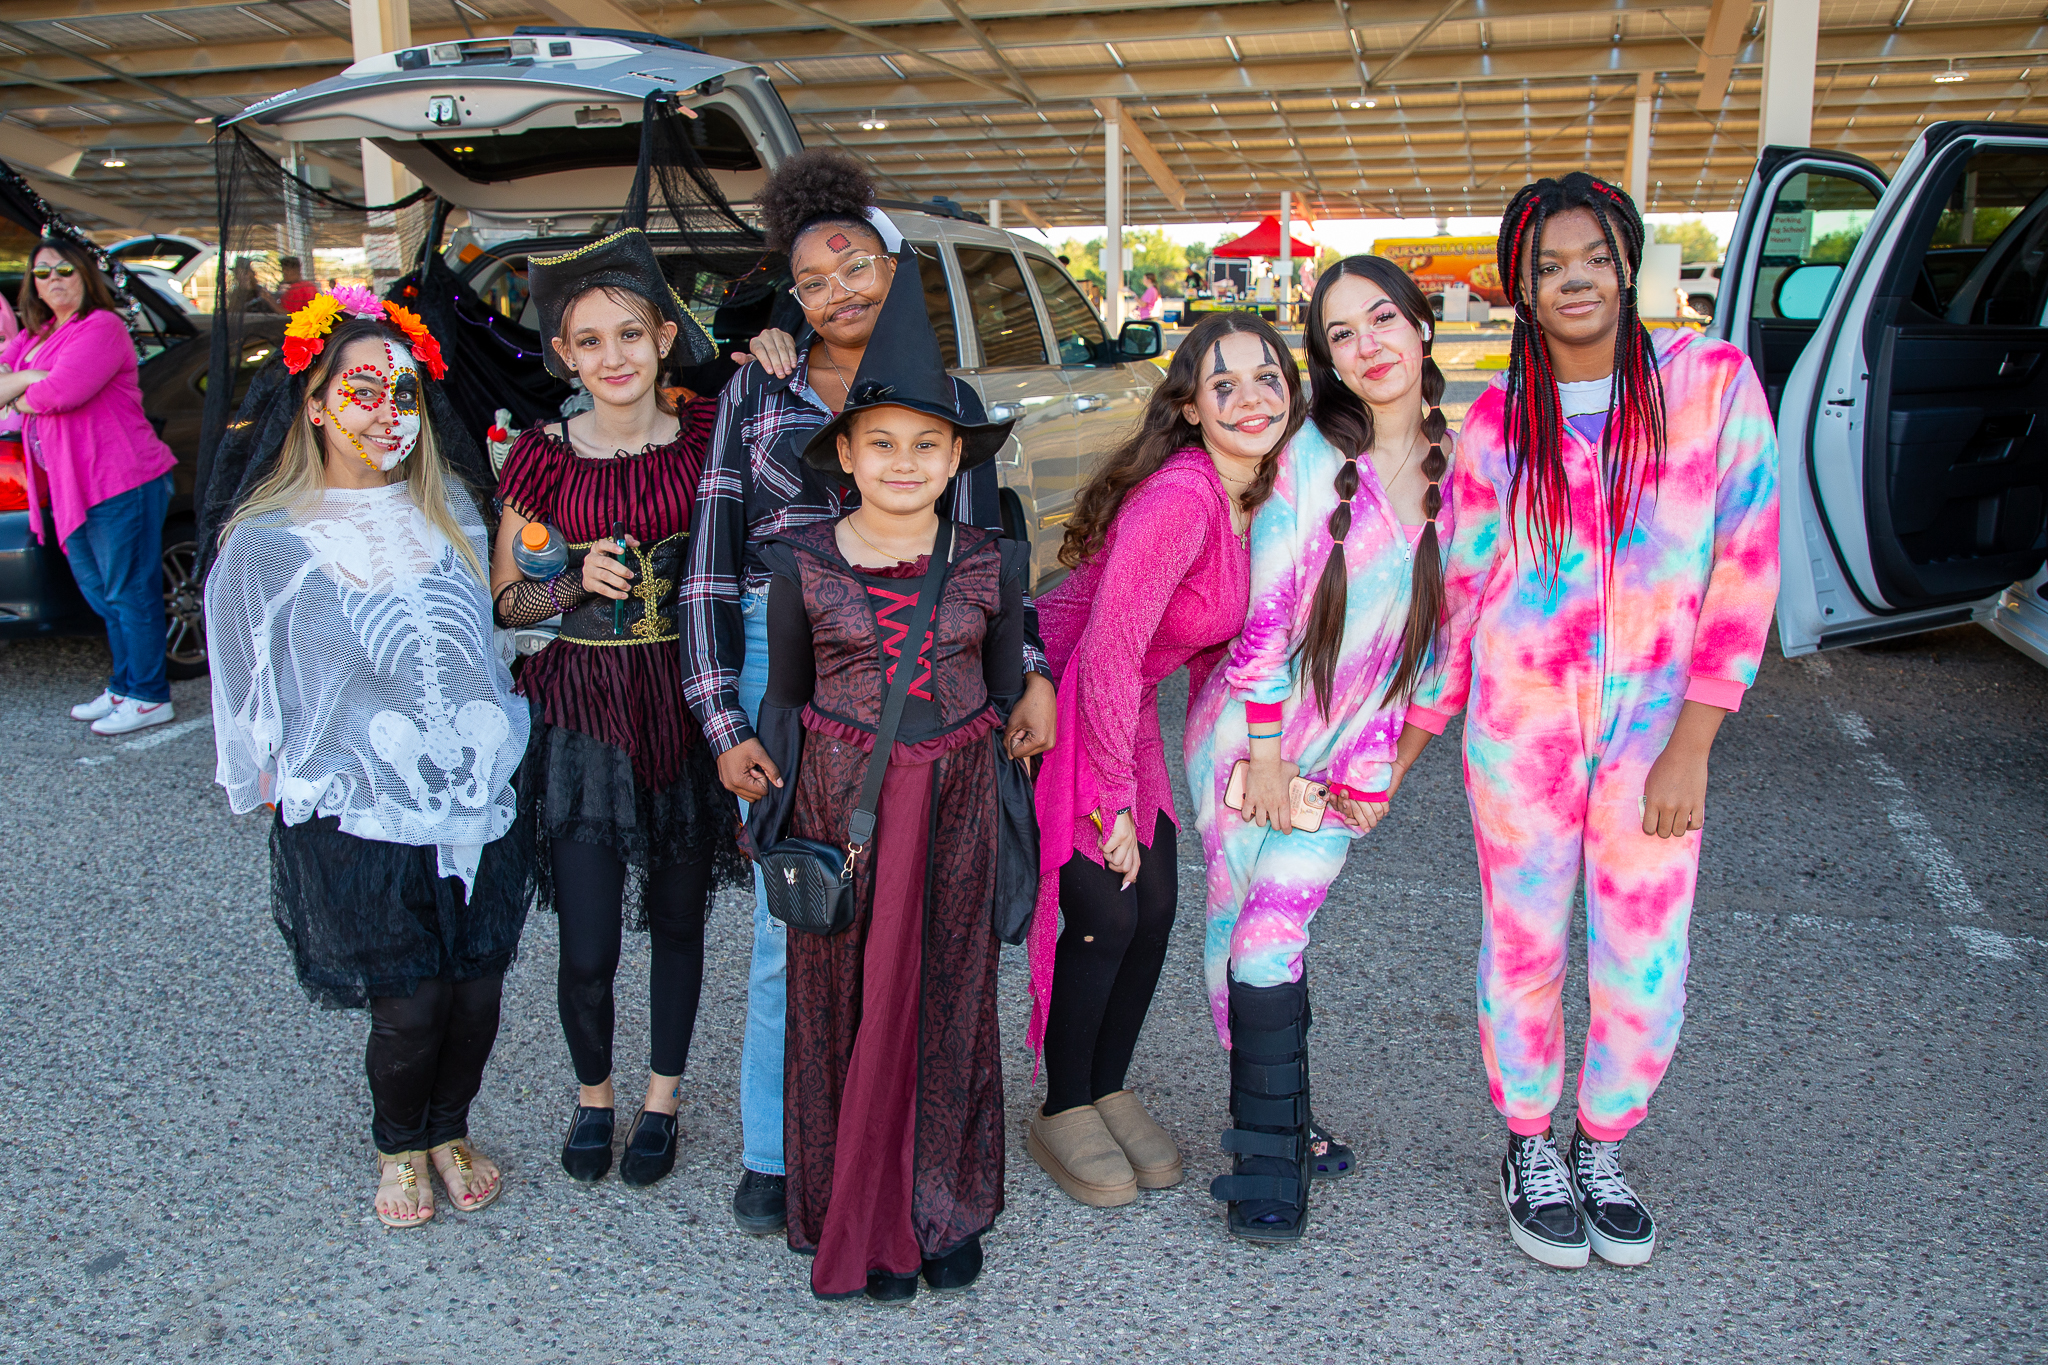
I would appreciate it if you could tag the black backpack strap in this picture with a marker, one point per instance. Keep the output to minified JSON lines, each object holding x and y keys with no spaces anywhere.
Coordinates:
{"x":860,"y":827}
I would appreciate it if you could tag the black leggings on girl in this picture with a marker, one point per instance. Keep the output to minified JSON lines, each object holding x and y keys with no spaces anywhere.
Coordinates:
{"x":426,"y":1060}
{"x":1110,"y":952}
{"x":590,"y":886}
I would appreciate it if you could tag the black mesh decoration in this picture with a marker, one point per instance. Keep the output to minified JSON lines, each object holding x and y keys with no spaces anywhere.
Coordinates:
{"x":490,"y":365}
{"x":20,"y":202}
{"x":266,"y":212}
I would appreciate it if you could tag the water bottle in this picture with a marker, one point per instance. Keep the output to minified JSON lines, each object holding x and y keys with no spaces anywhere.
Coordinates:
{"x":541,"y":552}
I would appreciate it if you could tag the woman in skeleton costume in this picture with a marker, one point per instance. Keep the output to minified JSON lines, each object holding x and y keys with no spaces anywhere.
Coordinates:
{"x":357,"y":695}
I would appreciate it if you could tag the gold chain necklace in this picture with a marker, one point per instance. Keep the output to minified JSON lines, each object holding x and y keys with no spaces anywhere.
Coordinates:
{"x":894,"y":559}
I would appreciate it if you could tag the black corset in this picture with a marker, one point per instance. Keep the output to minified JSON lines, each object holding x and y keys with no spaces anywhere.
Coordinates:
{"x":648,"y":615}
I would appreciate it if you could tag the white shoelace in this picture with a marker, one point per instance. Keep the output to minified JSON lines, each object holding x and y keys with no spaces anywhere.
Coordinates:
{"x":1545,"y":1178}
{"x":1603,"y":1181}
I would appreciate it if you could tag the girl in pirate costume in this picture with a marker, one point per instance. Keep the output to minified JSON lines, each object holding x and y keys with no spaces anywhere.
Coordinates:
{"x":1608,"y":598}
{"x":625,"y":786}
{"x":356,"y":691}
{"x":1346,"y":590}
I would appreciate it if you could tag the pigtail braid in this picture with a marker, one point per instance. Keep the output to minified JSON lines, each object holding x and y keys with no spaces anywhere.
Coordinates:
{"x":1426,"y":579}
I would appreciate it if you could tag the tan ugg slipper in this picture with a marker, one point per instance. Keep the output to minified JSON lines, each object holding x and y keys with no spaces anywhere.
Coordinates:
{"x":1076,"y":1150}
{"x":1150,"y":1149}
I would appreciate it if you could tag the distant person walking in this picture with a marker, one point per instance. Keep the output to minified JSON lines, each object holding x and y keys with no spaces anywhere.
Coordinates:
{"x":1148,"y":302}
{"x":71,"y":373}
{"x":296,"y":291}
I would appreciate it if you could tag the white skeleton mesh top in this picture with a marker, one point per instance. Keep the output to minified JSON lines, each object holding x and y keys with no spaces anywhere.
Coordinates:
{"x":354,"y":676}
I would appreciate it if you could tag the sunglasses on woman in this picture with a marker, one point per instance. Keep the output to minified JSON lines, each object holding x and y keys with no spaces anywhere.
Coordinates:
{"x":62,"y":272}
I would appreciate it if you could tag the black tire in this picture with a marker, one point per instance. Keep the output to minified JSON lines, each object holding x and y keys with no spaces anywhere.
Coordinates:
{"x":184,"y":617}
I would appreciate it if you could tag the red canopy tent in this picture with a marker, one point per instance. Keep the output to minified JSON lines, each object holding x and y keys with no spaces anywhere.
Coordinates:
{"x":1264,"y":240}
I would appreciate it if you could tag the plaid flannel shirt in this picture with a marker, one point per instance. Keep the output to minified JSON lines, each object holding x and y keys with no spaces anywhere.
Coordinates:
{"x":755,"y":485}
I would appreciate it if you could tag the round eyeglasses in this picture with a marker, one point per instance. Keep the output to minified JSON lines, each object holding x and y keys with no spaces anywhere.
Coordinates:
{"x":856,"y":275}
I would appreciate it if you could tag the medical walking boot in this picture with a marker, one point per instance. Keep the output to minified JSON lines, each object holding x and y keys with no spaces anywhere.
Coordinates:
{"x":1267,"y":1188}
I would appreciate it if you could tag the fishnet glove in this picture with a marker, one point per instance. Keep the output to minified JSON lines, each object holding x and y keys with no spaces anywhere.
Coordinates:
{"x":528,"y":602}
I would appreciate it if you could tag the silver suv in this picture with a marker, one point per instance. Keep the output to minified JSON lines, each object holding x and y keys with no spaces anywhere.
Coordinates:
{"x":537,"y":137}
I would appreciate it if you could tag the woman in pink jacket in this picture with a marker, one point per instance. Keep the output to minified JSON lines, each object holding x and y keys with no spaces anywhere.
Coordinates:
{"x":1608,"y":596}
{"x":1161,"y":579}
{"x":71,"y":374}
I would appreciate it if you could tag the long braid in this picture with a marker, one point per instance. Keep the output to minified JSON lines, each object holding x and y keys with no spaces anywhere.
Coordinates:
{"x":1632,"y":447}
{"x":1347,"y":424}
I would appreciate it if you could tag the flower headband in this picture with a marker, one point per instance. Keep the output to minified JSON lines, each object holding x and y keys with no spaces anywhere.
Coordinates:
{"x":305,"y":336}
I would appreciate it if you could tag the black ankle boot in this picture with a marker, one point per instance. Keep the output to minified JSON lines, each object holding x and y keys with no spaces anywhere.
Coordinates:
{"x":587,"y":1151}
{"x":650,"y":1150}
{"x":956,"y":1269}
{"x":1268,"y":1185}
{"x":886,"y":1288}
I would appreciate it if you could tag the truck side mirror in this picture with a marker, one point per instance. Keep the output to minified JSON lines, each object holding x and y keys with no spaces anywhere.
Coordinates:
{"x":1803,"y":293}
{"x":1141,"y":341}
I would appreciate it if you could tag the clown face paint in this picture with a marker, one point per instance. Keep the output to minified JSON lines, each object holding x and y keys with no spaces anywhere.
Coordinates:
{"x":375,"y":406}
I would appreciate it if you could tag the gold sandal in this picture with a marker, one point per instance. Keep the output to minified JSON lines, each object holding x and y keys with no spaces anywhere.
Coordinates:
{"x":455,"y":1175}
{"x":401,"y":1175}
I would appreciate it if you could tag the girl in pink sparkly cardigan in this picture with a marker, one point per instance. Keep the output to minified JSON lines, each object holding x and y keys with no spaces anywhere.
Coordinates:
{"x":1161,"y":580}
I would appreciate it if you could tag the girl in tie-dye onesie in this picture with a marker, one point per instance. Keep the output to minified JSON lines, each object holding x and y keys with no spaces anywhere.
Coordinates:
{"x":1608,"y":599}
{"x":1346,"y":592}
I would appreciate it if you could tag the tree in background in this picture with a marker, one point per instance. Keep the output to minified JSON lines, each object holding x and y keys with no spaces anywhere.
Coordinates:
{"x":1697,"y":239}
{"x":1145,"y":249}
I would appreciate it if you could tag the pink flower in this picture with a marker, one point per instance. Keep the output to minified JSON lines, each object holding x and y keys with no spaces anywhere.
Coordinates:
{"x":362,"y":302}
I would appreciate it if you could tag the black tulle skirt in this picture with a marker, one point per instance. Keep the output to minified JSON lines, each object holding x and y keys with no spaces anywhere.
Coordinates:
{"x":584,"y":790}
{"x":365,"y":918}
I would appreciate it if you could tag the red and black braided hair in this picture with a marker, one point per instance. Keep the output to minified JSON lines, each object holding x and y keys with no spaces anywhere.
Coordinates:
{"x":1346,"y":423}
{"x":1632,"y":446}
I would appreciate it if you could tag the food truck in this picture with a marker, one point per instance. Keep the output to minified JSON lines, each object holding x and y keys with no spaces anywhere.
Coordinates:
{"x":1433,"y":262}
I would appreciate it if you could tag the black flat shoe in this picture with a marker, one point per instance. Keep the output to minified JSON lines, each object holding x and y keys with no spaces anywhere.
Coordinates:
{"x":886,"y":1288}
{"x":587,"y":1151}
{"x":650,"y":1151}
{"x":957,"y":1269}
{"x":761,"y":1204}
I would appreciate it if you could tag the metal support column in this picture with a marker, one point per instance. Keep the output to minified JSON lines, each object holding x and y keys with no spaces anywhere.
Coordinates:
{"x":1791,"y":50}
{"x":1113,"y":214}
{"x":1638,"y":185}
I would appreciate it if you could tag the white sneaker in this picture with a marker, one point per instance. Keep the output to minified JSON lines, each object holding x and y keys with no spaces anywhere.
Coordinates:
{"x":131,"y":714}
{"x":99,"y":706}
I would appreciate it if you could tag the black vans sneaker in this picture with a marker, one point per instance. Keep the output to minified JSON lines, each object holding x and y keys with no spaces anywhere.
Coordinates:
{"x":1617,"y":1224}
{"x":1536,"y":1190}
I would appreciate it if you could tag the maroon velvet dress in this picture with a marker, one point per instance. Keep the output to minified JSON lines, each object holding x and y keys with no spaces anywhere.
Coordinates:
{"x":893,"y":1082}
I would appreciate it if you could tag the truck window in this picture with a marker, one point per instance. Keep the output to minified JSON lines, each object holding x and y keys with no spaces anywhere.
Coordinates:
{"x":1817,"y":219}
{"x":1004,"y":318}
{"x":1987,"y":257}
{"x":1075,"y":325}
{"x":938,"y":301}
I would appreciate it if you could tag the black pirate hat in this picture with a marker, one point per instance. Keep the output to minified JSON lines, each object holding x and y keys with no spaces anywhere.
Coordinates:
{"x":624,"y":260}
{"x":902,"y":368}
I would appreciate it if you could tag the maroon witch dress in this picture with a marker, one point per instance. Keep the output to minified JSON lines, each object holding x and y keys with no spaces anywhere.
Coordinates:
{"x":893,"y":1084}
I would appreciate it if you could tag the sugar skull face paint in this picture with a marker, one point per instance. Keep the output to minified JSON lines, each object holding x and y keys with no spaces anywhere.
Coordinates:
{"x":374,"y":403}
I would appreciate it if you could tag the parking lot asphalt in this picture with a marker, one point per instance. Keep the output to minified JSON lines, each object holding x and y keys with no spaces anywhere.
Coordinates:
{"x":1847,"y":1160}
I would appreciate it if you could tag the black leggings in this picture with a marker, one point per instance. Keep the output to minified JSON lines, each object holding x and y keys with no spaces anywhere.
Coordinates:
{"x":1107,"y":967}
{"x":426,"y":1060}
{"x":590,"y":885}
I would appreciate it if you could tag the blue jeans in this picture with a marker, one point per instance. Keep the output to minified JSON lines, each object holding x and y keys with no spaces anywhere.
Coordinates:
{"x":117,"y":558}
{"x":768,"y":975}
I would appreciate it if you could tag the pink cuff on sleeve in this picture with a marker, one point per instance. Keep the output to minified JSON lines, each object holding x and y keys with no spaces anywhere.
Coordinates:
{"x":1354,"y":794}
{"x":1422,"y":718}
{"x":1257,"y":712}
{"x":1711,"y":691}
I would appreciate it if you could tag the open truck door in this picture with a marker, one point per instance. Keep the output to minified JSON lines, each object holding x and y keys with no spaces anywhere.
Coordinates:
{"x":1902,"y":335}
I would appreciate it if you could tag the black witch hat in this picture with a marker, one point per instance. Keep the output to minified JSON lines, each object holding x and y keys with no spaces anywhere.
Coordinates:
{"x":902,"y":367}
{"x":624,"y":260}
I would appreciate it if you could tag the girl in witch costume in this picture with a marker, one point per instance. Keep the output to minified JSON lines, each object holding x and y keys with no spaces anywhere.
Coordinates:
{"x":819,"y":208}
{"x":357,"y":693}
{"x":1161,"y":578}
{"x":625,"y":785}
{"x":1608,"y":594}
{"x":894,"y":1098}
{"x":1346,"y":597}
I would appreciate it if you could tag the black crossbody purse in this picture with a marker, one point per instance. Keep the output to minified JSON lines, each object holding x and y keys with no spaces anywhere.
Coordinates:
{"x":810,"y":882}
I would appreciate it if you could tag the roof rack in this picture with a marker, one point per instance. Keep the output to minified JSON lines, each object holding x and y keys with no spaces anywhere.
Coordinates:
{"x":937,"y":206}
{"x":627,"y":35}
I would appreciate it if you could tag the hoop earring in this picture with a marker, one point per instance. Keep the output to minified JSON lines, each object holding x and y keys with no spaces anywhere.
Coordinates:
{"x":1525,"y":314}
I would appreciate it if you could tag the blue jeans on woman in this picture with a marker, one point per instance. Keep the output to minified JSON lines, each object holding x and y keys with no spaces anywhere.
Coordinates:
{"x":768,"y":973}
{"x":117,"y":558}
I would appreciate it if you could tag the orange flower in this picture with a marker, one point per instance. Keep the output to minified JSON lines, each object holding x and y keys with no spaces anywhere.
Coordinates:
{"x":424,"y":348}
